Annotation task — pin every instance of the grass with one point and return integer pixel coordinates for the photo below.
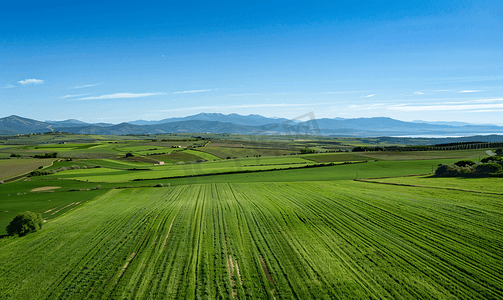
(178, 156)
(414, 155)
(334, 157)
(203, 155)
(338, 172)
(490, 184)
(224, 152)
(333, 240)
(49, 204)
(14, 167)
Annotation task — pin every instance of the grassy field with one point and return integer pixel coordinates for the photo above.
(490, 184)
(414, 155)
(14, 167)
(234, 152)
(337, 172)
(323, 240)
(47, 202)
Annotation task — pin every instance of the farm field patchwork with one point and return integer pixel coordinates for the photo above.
(305, 240)
(337, 172)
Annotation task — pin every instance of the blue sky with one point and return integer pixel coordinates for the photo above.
(122, 61)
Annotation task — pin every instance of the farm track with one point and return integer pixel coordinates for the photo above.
(333, 240)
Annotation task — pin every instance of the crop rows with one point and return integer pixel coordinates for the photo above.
(319, 240)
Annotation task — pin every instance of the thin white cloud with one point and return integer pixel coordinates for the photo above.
(87, 85)
(194, 91)
(71, 96)
(121, 96)
(343, 92)
(241, 95)
(442, 107)
(368, 96)
(470, 91)
(7, 86)
(419, 93)
(31, 81)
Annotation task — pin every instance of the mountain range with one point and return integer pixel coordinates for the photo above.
(252, 124)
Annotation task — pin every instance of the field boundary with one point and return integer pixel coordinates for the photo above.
(425, 186)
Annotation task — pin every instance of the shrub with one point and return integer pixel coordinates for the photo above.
(39, 173)
(14, 155)
(491, 159)
(464, 163)
(487, 168)
(453, 171)
(499, 151)
(159, 185)
(24, 223)
(41, 167)
(47, 155)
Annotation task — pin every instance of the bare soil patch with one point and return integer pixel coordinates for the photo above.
(45, 188)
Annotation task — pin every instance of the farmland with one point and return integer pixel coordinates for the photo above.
(14, 167)
(264, 240)
(213, 223)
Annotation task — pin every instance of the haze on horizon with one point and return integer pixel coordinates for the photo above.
(121, 61)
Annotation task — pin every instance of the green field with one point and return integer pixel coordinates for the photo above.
(333, 240)
(338, 172)
(242, 152)
(14, 167)
(491, 184)
(207, 225)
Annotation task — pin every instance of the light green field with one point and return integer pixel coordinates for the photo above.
(203, 155)
(115, 163)
(489, 184)
(14, 167)
(49, 203)
(316, 240)
(415, 155)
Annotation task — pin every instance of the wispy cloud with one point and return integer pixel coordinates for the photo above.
(241, 95)
(121, 96)
(419, 93)
(71, 96)
(368, 96)
(31, 81)
(194, 91)
(470, 91)
(444, 107)
(87, 85)
(261, 105)
(343, 92)
(7, 86)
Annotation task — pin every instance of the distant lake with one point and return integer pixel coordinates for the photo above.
(440, 136)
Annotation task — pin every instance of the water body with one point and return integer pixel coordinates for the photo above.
(440, 136)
